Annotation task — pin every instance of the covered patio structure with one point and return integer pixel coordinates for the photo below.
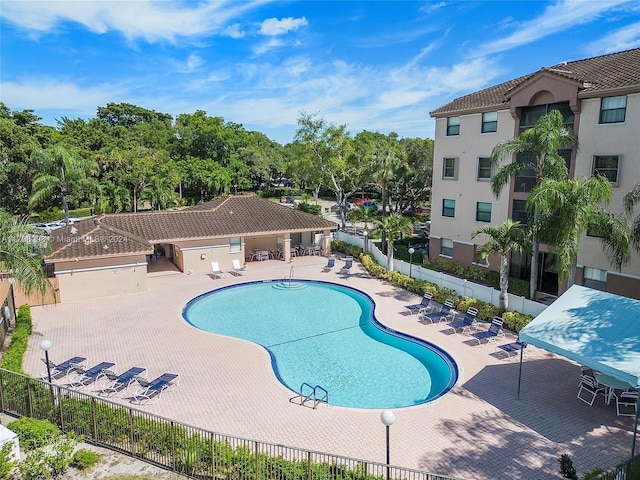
(596, 329)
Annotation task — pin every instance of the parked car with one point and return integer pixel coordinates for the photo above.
(370, 205)
(63, 223)
(288, 200)
(411, 210)
(362, 201)
(47, 227)
(336, 207)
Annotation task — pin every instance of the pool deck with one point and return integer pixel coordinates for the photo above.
(478, 430)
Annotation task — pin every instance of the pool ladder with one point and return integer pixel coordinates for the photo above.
(315, 394)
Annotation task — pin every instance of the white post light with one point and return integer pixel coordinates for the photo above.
(411, 252)
(387, 418)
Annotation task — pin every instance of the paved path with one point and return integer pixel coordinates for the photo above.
(476, 431)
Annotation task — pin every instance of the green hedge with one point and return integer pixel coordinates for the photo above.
(517, 286)
(486, 311)
(19, 341)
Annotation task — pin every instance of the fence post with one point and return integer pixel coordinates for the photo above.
(255, 448)
(132, 436)
(2, 390)
(308, 465)
(173, 446)
(213, 456)
(30, 397)
(94, 420)
(60, 409)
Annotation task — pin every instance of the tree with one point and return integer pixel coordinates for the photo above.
(330, 147)
(505, 238)
(16, 255)
(61, 171)
(393, 227)
(566, 209)
(631, 199)
(536, 148)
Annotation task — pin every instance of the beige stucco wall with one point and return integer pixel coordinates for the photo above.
(467, 190)
(101, 277)
(610, 139)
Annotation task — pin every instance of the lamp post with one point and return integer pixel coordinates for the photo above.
(45, 345)
(387, 418)
(411, 252)
(365, 234)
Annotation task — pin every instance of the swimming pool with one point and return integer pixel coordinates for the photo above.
(325, 334)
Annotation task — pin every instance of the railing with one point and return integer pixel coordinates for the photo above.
(629, 470)
(176, 446)
(460, 285)
(312, 394)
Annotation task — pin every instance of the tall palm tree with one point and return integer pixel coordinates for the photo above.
(542, 141)
(16, 255)
(631, 199)
(566, 209)
(392, 227)
(59, 172)
(361, 214)
(505, 238)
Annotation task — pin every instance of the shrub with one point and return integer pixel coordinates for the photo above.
(517, 286)
(566, 467)
(34, 433)
(592, 474)
(6, 461)
(310, 208)
(13, 356)
(515, 320)
(84, 459)
(42, 464)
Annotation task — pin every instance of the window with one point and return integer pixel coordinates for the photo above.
(483, 212)
(478, 260)
(613, 109)
(485, 168)
(453, 126)
(450, 168)
(526, 178)
(235, 244)
(607, 165)
(595, 278)
(489, 122)
(446, 247)
(448, 208)
(519, 212)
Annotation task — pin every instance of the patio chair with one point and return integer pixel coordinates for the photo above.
(237, 268)
(589, 389)
(215, 270)
(492, 334)
(441, 315)
(60, 370)
(469, 321)
(115, 384)
(424, 306)
(511, 348)
(88, 376)
(348, 263)
(628, 398)
(151, 391)
(331, 263)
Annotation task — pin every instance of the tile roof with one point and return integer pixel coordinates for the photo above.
(597, 75)
(130, 233)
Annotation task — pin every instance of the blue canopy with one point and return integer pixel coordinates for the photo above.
(593, 328)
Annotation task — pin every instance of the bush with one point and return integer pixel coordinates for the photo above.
(6, 461)
(44, 464)
(13, 356)
(34, 433)
(517, 286)
(566, 467)
(84, 459)
(310, 208)
(515, 320)
(592, 474)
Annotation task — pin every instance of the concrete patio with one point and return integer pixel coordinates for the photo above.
(476, 431)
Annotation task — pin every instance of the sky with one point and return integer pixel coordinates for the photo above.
(370, 65)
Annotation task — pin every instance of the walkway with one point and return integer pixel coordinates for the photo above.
(476, 431)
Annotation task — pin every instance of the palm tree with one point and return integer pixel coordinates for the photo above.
(504, 238)
(392, 227)
(566, 209)
(542, 141)
(60, 171)
(16, 255)
(631, 199)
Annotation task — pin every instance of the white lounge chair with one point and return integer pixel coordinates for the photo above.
(237, 268)
(215, 270)
(331, 263)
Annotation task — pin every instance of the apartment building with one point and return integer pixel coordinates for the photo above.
(599, 98)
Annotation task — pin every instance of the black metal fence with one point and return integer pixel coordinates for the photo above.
(179, 447)
(629, 470)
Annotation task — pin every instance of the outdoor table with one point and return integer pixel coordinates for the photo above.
(610, 383)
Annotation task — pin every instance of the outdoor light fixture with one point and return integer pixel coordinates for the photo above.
(387, 418)
(45, 345)
(411, 252)
(365, 234)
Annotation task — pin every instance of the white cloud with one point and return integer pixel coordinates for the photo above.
(273, 26)
(623, 39)
(152, 21)
(430, 6)
(264, 47)
(233, 31)
(560, 16)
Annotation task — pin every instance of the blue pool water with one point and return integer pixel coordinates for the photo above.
(326, 334)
